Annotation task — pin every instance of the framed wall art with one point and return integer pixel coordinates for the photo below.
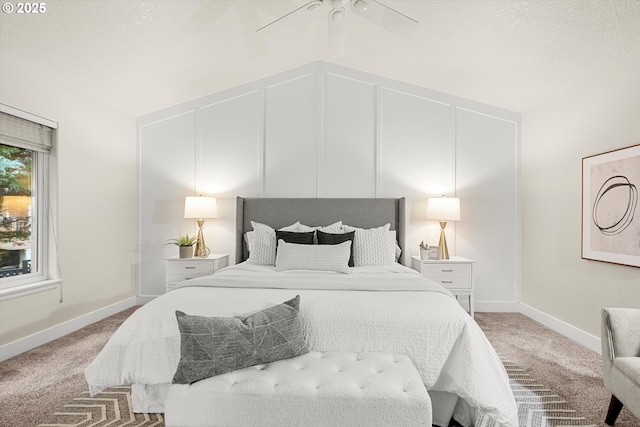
(610, 214)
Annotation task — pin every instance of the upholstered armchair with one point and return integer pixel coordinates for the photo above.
(621, 359)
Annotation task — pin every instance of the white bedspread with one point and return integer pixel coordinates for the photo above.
(376, 309)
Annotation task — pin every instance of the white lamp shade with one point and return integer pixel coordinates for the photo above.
(443, 208)
(200, 207)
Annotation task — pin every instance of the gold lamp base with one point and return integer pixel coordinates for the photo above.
(202, 251)
(444, 251)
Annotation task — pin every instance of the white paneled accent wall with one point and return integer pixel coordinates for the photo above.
(167, 166)
(348, 140)
(291, 138)
(324, 130)
(486, 181)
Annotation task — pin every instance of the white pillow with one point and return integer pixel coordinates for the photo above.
(262, 250)
(250, 236)
(393, 245)
(371, 246)
(292, 256)
(335, 228)
(249, 239)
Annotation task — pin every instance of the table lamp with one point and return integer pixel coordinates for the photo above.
(443, 209)
(200, 208)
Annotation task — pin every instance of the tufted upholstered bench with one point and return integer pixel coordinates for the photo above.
(315, 389)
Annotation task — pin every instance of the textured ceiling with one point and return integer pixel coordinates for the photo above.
(141, 56)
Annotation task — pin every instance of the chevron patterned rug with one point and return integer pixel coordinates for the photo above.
(111, 408)
(537, 407)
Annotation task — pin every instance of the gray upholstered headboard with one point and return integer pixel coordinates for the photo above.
(280, 212)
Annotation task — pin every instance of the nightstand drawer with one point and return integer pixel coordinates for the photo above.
(450, 275)
(452, 282)
(451, 269)
(177, 272)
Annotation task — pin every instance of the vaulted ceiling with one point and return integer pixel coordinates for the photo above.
(144, 55)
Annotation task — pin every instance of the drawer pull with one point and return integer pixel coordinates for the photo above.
(190, 268)
(447, 271)
(447, 281)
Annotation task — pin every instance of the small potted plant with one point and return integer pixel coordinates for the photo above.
(185, 243)
(424, 250)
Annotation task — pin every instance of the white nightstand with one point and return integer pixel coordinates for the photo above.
(455, 274)
(180, 269)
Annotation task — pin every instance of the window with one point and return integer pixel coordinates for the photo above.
(24, 241)
(16, 231)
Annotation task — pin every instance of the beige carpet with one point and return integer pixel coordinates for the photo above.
(36, 383)
(564, 366)
(538, 406)
(39, 382)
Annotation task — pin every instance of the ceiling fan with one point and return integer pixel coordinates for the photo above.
(372, 10)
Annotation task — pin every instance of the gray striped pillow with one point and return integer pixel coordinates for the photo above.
(292, 256)
(371, 246)
(263, 248)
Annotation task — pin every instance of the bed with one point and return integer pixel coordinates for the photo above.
(374, 308)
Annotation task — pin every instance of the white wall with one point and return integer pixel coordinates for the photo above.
(327, 131)
(94, 156)
(595, 116)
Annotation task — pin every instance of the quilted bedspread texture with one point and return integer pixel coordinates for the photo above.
(390, 309)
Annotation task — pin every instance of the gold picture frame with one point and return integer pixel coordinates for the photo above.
(610, 209)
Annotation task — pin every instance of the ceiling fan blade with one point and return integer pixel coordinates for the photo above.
(312, 5)
(387, 18)
(336, 32)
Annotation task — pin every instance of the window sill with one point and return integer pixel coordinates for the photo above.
(31, 288)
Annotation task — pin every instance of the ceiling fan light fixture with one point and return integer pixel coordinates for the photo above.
(336, 14)
(371, 10)
(313, 6)
(336, 3)
(360, 5)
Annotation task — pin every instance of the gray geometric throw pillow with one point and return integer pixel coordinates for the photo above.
(214, 345)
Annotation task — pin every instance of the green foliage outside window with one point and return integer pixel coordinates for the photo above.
(15, 170)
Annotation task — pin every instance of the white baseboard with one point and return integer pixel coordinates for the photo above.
(143, 299)
(578, 335)
(39, 338)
